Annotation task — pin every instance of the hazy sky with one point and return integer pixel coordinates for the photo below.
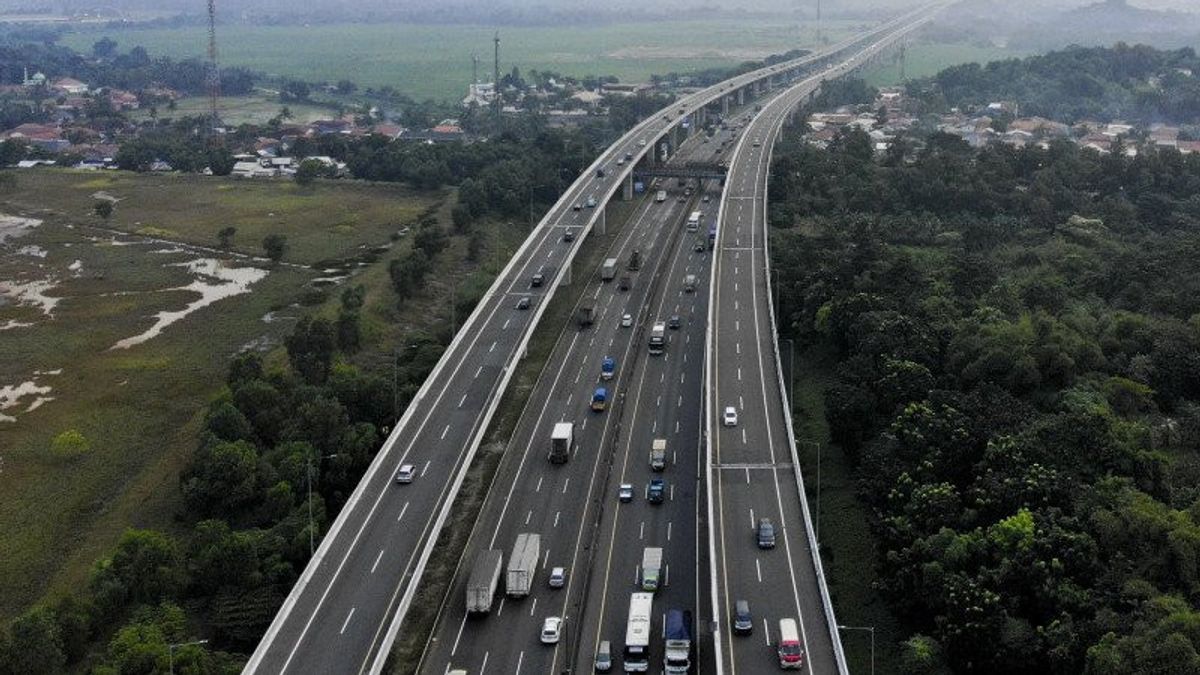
(350, 8)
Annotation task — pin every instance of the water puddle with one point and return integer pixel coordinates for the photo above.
(11, 395)
(215, 282)
(30, 293)
(12, 227)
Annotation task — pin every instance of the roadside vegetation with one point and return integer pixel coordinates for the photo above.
(1010, 341)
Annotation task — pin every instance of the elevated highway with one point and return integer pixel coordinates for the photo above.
(345, 610)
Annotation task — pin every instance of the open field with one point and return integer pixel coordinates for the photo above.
(69, 292)
(923, 59)
(236, 110)
(329, 219)
(434, 61)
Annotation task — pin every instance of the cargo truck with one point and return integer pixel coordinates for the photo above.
(651, 567)
(677, 632)
(658, 338)
(658, 454)
(607, 368)
(661, 196)
(485, 576)
(561, 442)
(522, 565)
(609, 270)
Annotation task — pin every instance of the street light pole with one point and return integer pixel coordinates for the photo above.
(871, 630)
(171, 652)
(308, 472)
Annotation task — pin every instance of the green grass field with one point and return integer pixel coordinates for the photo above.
(323, 221)
(923, 59)
(236, 110)
(434, 61)
(140, 408)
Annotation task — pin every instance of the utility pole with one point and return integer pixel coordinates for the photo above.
(214, 73)
(496, 74)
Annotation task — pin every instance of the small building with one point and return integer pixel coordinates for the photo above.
(69, 86)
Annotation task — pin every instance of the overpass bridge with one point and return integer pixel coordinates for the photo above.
(348, 605)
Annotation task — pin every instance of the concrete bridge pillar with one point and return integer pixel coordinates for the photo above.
(724, 106)
(601, 226)
(627, 188)
(741, 96)
(566, 278)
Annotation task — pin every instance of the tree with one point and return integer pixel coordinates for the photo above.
(35, 644)
(145, 569)
(104, 48)
(310, 349)
(228, 423)
(220, 162)
(346, 87)
(225, 236)
(309, 171)
(103, 208)
(275, 245)
(349, 331)
(222, 480)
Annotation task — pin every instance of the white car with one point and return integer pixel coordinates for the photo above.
(551, 630)
(558, 577)
(626, 320)
(729, 418)
(406, 473)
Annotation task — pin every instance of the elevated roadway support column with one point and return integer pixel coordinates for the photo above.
(741, 96)
(627, 188)
(724, 106)
(601, 227)
(566, 277)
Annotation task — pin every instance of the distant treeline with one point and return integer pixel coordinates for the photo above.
(1134, 83)
(107, 67)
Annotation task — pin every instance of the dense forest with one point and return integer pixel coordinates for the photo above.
(1018, 386)
(1134, 83)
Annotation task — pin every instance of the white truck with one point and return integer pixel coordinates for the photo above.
(485, 576)
(609, 270)
(651, 568)
(561, 440)
(658, 454)
(661, 196)
(522, 565)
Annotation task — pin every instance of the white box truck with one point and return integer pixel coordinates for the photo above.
(658, 454)
(561, 440)
(485, 576)
(522, 565)
(661, 196)
(651, 568)
(609, 270)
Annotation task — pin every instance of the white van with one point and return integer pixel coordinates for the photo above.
(791, 652)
